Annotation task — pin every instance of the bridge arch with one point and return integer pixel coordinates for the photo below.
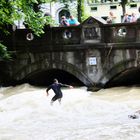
(121, 70)
(41, 66)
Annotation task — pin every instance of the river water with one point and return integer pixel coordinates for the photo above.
(26, 114)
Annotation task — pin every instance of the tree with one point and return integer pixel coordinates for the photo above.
(123, 4)
(16, 10)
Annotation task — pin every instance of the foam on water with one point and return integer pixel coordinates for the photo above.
(26, 114)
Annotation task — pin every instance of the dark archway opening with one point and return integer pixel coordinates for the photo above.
(130, 77)
(45, 78)
(65, 13)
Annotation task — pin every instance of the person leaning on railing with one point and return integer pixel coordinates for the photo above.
(73, 21)
(64, 22)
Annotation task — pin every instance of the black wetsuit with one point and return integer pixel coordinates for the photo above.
(56, 87)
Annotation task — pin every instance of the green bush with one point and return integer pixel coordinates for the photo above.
(4, 54)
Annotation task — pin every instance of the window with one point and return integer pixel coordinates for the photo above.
(102, 1)
(133, 5)
(109, 1)
(113, 7)
(93, 8)
(93, 1)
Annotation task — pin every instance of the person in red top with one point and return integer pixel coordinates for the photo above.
(56, 87)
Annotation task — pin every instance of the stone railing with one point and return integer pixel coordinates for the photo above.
(66, 35)
(121, 33)
(72, 36)
(53, 36)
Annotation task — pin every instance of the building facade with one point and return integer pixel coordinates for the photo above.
(96, 8)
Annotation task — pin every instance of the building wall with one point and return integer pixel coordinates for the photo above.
(97, 9)
(55, 8)
(103, 9)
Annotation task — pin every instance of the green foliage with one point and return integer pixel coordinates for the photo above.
(27, 10)
(4, 55)
(85, 16)
(80, 9)
(83, 12)
(50, 21)
(13, 10)
(5, 12)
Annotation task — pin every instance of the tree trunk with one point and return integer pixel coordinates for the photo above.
(123, 4)
(123, 10)
(79, 12)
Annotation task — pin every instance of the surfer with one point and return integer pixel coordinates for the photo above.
(56, 87)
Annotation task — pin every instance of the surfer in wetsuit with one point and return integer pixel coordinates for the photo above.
(56, 87)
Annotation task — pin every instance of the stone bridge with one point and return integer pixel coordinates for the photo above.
(93, 54)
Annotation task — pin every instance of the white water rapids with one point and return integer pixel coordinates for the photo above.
(26, 114)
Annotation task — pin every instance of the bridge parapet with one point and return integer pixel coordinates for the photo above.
(121, 33)
(91, 31)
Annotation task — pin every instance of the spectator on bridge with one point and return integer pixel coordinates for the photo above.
(64, 22)
(56, 87)
(111, 18)
(73, 21)
(126, 18)
(133, 17)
